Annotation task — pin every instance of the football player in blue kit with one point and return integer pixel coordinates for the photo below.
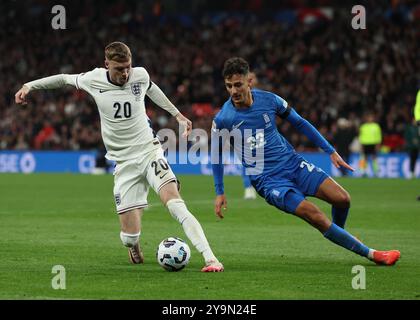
(278, 173)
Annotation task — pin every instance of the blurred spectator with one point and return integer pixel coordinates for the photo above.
(412, 144)
(417, 109)
(370, 137)
(417, 117)
(254, 80)
(342, 140)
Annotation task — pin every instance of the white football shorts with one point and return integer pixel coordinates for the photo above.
(132, 179)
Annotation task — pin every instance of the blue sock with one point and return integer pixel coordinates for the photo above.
(245, 179)
(346, 240)
(339, 216)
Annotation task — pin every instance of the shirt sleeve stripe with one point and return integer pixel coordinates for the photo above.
(286, 113)
(77, 81)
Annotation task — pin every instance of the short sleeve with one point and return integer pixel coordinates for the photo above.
(217, 123)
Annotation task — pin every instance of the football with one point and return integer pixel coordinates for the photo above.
(173, 254)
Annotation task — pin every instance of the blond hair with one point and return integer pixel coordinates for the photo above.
(117, 51)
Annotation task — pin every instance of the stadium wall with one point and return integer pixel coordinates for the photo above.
(391, 165)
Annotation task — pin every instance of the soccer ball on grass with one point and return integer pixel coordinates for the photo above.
(173, 254)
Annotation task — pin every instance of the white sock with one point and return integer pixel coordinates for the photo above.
(370, 254)
(192, 228)
(128, 239)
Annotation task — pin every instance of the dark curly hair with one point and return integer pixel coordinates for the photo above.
(235, 65)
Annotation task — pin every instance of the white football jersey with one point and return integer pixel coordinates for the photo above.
(125, 127)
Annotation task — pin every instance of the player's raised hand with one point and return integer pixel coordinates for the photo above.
(187, 124)
(20, 96)
(339, 162)
(220, 203)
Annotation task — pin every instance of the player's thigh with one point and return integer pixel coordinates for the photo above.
(308, 177)
(130, 187)
(130, 221)
(284, 196)
(169, 191)
(333, 193)
(159, 172)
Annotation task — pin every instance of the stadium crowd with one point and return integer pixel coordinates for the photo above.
(313, 58)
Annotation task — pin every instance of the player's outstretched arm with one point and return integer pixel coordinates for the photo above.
(339, 162)
(52, 82)
(220, 203)
(217, 167)
(303, 126)
(158, 97)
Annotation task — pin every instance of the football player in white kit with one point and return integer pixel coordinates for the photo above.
(119, 91)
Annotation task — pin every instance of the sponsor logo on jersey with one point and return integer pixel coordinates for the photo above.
(236, 126)
(163, 175)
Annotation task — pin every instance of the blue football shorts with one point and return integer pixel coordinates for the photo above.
(287, 189)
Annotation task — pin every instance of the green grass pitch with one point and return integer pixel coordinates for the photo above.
(69, 220)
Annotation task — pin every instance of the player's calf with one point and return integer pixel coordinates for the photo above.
(192, 228)
(313, 215)
(340, 200)
(338, 197)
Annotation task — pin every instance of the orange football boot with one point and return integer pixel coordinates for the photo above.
(387, 258)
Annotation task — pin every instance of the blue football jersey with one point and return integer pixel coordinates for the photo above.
(260, 145)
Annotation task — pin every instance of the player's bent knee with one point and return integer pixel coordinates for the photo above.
(129, 239)
(343, 199)
(169, 192)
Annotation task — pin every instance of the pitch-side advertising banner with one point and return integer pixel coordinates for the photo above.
(392, 165)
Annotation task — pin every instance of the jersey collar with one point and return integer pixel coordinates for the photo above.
(243, 109)
(115, 84)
